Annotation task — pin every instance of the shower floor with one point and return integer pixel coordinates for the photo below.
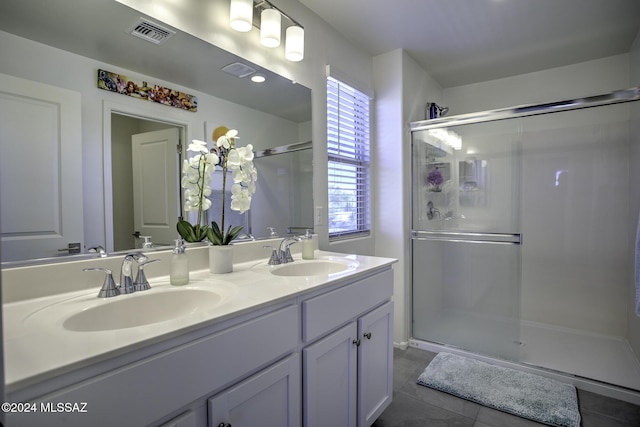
(597, 357)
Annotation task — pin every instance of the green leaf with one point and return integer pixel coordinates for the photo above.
(215, 235)
(232, 233)
(185, 229)
(191, 233)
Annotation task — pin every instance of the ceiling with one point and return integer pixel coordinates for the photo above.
(466, 41)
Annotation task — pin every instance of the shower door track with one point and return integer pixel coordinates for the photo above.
(616, 97)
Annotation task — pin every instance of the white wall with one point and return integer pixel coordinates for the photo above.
(402, 90)
(572, 81)
(633, 321)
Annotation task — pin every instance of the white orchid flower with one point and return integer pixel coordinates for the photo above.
(198, 146)
(225, 140)
(240, 198)
(240, 156)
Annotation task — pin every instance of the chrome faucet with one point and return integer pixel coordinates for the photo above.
(127, 284)
(282, 254)
(141, 283)
(109, 288)
(126, 273)
(285, 251)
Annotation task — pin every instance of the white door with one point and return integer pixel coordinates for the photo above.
(155, 184)
(375, 363)
(330, 380)
(40, 169)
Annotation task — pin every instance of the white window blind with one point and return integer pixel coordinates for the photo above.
(348, 156)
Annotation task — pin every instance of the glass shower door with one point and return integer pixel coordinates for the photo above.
(466, 238)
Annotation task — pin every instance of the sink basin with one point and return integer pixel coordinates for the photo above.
(311, 268)
(138, 310)
(128, 311)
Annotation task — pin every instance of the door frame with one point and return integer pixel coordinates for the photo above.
(142, 111)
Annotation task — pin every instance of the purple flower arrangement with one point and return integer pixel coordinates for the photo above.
(434, 178)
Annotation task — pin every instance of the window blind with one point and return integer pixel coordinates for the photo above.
(348, 160)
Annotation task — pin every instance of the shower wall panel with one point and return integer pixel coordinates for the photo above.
(575, 186)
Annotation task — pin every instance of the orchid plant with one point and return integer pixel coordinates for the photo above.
(196, 181)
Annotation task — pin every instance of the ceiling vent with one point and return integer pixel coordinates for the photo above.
(151, 31)
(239, 69)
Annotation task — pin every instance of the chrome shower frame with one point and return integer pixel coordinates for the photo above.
(616, 97)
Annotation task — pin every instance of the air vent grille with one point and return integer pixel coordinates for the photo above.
(151, 31)
(239, 69)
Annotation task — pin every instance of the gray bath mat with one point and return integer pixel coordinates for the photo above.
(526, 395)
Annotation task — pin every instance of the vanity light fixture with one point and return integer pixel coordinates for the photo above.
(294, 44)
(270, 23)
(241, 15)
(268, 18)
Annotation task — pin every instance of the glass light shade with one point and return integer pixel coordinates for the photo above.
(270, 28)
(241, 15)
(294, 44)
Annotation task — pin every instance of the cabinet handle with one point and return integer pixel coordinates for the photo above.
(224, 425)
(356, 342)
(368, 335)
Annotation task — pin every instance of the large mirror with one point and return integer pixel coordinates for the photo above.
(275, 117)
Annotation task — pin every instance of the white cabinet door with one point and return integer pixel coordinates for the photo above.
(40, 169)
(375, 363)
(330, 380)
(270, 398)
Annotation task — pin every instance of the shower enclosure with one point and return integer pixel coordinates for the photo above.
(285, 196)
(521, 242)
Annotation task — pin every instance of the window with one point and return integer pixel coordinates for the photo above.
(348, 155)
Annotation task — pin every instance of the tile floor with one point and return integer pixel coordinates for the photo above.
(415, 405)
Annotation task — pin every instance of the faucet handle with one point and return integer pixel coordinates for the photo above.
(141, 283)
(146, 242)
(109, 288)
(99, 250)
(274, 259)
(272, 232)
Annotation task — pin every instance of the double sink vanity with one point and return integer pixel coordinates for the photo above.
(307, 343)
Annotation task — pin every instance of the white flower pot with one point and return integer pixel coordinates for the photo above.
(220, 259)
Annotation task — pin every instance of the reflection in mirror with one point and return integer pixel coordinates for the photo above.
(286, 204)
(473, 182)
(145, 156)
(107, 214)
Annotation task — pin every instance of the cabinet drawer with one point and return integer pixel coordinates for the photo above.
(324, 313)
(140, 392)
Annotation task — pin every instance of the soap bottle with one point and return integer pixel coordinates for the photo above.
(179, 274)
(307, 245)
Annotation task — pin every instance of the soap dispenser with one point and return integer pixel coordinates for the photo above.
(179, 274)
(307, 245)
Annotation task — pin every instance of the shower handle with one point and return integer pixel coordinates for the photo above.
(432, 211)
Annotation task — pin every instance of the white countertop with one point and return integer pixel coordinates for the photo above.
(38, 347)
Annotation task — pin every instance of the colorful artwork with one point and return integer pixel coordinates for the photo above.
(121, 84)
